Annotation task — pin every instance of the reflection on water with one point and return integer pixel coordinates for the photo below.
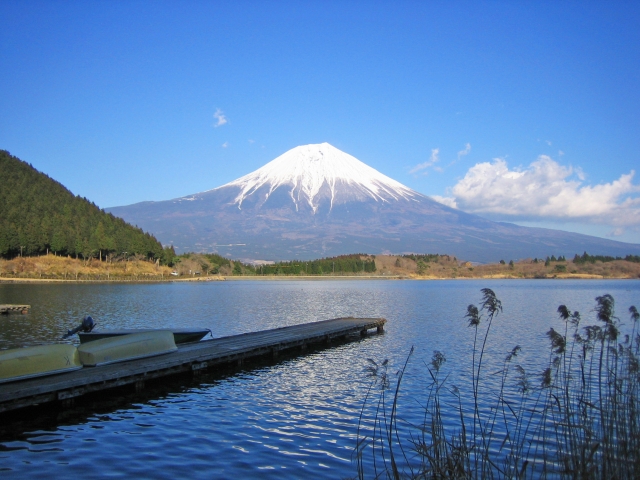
(294, 418)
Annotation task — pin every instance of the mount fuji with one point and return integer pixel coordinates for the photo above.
(317, 201)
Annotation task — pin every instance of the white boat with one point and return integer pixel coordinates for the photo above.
(38, 361)
(126, 347)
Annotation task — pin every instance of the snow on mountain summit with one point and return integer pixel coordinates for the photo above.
(312, 173)
(315, 201)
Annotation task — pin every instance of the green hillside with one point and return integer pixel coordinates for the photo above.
(38, 214)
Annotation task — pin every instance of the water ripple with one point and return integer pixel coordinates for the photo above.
(296, 418)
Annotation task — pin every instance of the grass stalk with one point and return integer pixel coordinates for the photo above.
(581, 421)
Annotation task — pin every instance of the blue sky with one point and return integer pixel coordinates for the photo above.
(527, 112)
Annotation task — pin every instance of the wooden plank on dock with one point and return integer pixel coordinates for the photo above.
(5, 309)
(188, 358)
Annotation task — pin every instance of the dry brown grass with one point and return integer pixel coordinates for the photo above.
(51, 267)
(453, 268)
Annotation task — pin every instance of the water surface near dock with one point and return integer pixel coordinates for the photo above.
(287, 419)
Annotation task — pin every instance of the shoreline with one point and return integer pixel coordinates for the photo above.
(216, 278)
(50, 269)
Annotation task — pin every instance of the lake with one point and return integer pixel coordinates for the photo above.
(289, 419)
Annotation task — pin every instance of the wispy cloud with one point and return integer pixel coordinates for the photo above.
(220, 118)
(545, 190)
(462, 153)
(433, 161)
(429, 163)
(225, 144)
(448, 201)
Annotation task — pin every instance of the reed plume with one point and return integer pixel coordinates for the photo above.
(580, 419)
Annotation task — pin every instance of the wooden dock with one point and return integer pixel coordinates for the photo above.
(6, 309)
(194, 357)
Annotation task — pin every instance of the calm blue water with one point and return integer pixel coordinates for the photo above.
(293, 419)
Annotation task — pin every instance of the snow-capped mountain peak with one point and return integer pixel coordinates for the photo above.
(311, 173)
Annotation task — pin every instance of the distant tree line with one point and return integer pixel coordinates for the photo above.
(39, 215)
(586, 258)
(210, 263)
(341, 264)
(548, 260)
(429, 257)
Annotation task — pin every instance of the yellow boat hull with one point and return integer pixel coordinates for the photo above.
(126, 347)
(31, 362)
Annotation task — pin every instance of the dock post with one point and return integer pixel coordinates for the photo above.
(139, 386)
(380, 329)
(198, 368)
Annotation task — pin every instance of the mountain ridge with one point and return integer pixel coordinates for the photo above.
(308, 168)
(38, 214)
(303, 205)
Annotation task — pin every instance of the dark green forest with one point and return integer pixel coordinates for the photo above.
(341, 264)
(39, 215)
(586, 258)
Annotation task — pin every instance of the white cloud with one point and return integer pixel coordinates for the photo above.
(448, 201)
(220, 118)
(429, 163)
(467, 149)
(545, 190)
(225, 144)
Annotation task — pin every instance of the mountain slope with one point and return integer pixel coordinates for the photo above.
(316, 173)
(39, 214)
(315, 201)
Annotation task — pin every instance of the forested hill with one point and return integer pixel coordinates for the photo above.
(39, 214)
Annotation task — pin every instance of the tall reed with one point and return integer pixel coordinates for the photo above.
(578, 418)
